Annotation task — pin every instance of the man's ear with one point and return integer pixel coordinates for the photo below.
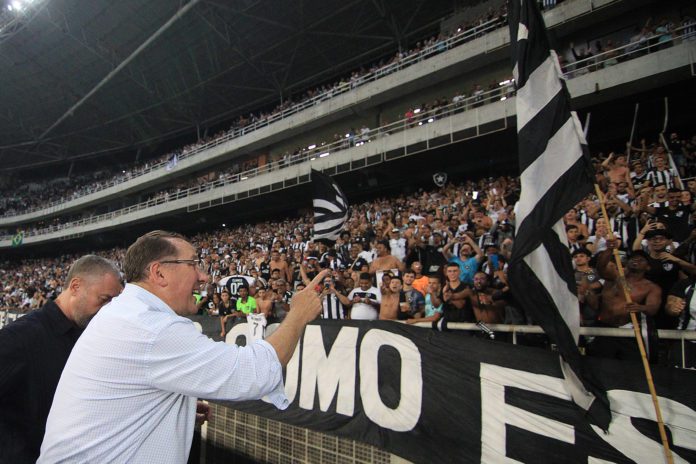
(74, 285)
(157, 274)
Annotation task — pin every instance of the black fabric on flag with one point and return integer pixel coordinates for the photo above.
(330, 208)
(556, 173)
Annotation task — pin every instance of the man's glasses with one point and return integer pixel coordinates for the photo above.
(197, 263)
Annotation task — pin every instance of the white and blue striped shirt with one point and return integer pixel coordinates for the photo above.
(129, 389)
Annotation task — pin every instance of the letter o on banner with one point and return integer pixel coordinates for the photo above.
(237, 330)
(406, 415)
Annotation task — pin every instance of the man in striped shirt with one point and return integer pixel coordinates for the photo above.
(333, 301)
(663, 174)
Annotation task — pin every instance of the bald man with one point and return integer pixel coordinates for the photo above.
(35, 348)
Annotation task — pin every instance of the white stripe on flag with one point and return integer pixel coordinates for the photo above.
(522, 32)
(325, 225)
(318, 203)
(539, 177)
(540, 88)
(566, 302)
(339, 196)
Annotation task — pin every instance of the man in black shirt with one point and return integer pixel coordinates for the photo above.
(664, 271)
(34, 350)
(457, 307)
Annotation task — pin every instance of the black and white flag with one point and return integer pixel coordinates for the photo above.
(555, 175)
(330, 208)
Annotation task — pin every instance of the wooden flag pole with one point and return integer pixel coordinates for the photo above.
(636, 332)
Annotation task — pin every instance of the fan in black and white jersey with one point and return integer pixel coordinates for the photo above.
(330, 260)
(234, 282)
(661, 200)
(662, 174)
(333, 301)
(298, 244)
(639, 175)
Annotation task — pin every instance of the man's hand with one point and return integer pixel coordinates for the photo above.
(664, 256)
(202, 413)
(633, 307)
(675, 305)
(307, 302)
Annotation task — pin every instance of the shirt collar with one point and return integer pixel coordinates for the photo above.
(152, 300)
(60, 324)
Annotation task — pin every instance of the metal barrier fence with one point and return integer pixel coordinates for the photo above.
(683, 336)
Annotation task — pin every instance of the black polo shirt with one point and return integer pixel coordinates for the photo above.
(665, 274)
(33, 353)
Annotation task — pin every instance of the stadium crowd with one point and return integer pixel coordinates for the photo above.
(444, 252)
(249, 165)
(18, 198)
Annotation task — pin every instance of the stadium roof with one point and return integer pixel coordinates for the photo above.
(99, 78)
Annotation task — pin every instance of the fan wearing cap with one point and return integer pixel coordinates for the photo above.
(614, 310)
(639, 176)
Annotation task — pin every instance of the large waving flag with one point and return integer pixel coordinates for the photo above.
(330, 208)
(556, 174)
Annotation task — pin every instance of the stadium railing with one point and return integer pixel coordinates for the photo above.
(683, 336)
(235, 132)
(593, 64)
(559, 15)
(421, 118)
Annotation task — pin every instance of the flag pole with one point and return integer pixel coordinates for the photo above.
(636, 332)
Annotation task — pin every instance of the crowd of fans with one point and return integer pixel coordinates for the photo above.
(16, 199)
(414, 116)
(444, 252)
(654, 35)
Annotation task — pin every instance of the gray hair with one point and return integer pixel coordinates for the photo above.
(91, 266)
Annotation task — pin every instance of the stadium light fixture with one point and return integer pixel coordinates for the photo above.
(431, 120)
(416, 111)
(16, 5)
(505, 82)
(324, 155)
(503, 98)
(312, 147)
(347, 135)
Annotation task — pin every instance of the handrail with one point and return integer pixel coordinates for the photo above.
(629, 51)
(236, 132)
(418, 119)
